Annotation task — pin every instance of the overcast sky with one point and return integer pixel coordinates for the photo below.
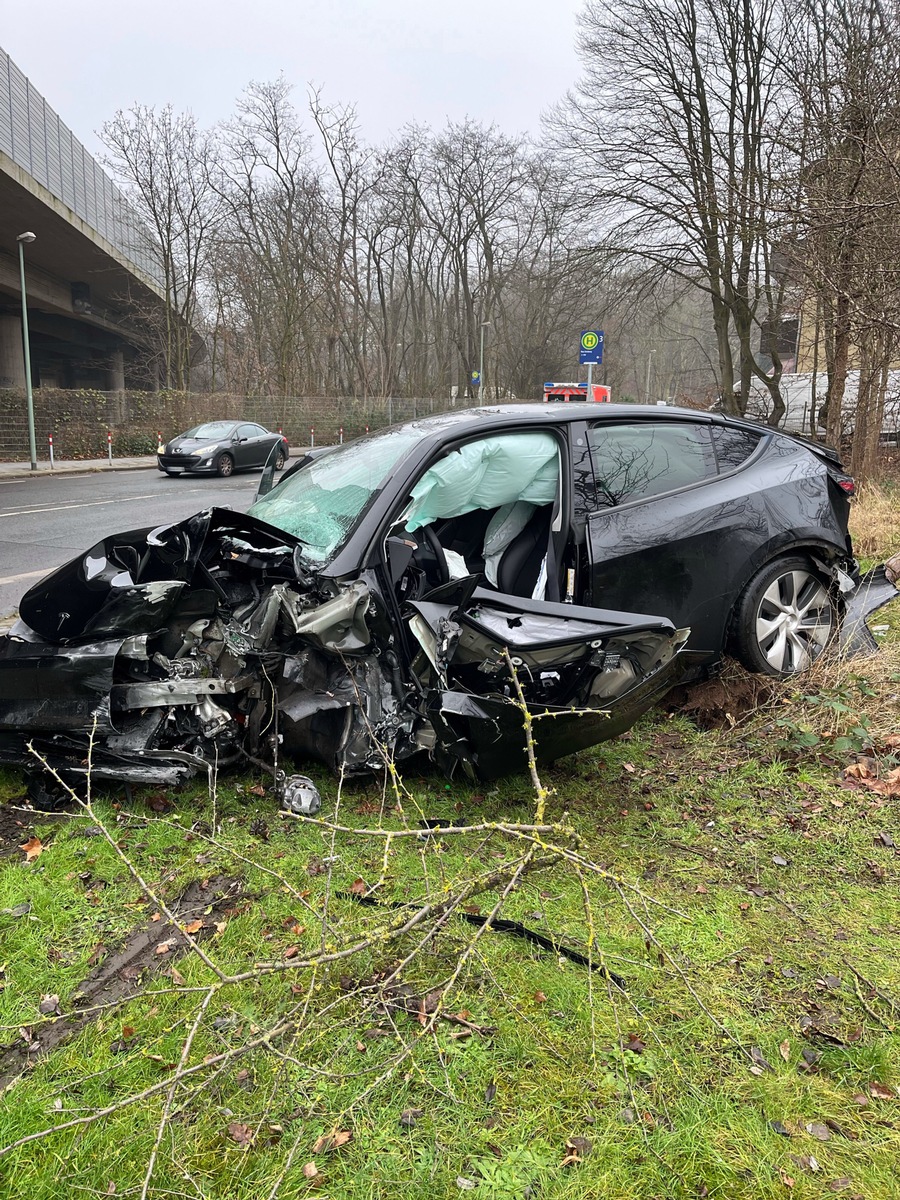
(501, 61)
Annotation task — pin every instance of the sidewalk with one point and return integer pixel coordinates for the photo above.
(19, 470)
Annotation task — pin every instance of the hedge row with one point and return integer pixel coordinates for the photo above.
(79, 419)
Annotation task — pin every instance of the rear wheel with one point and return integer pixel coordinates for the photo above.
(280, 460)
(224, 465)
(785, 618)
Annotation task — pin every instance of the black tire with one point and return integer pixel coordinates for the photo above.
(280, 460)
(785, 619)
(224, 465)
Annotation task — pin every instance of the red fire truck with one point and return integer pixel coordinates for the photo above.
(575, 391)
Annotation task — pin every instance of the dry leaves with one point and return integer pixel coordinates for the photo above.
(760, 1063)
(577, 1150)
(242, 1134)
(332, 1141)
(33, 848)
(819, 1131)
(862, 775)
(193, 926)
(881, 1092)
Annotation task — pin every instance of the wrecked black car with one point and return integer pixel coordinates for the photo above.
(406, 592)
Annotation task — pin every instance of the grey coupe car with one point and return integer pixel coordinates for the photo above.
(221, 448)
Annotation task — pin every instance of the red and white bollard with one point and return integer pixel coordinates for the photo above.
(312, 437)
(109, 445)
(341, 436)
(50, 440)
(367, 429)
(159, 442)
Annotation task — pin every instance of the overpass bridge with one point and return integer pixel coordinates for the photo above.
(90, 268)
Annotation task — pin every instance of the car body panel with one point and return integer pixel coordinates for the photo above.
(696, 548)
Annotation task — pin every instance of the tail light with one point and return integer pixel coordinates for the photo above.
(846, 483)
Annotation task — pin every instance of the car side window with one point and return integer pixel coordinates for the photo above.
(258, 431)
(247, 431)
(646, 458)
(733, 446)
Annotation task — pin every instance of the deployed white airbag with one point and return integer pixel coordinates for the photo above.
(487, 474)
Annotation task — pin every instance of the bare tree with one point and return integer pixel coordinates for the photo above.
(843, 70)
(670, 125)
(163, 160)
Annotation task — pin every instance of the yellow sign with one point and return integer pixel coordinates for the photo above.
(589, 340)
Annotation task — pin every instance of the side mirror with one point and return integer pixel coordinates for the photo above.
(267, 482)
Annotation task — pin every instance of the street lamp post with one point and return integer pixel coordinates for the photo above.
(22, 239)
(647, 382)
(484, 325)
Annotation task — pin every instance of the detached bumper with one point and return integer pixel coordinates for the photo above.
(876, 588)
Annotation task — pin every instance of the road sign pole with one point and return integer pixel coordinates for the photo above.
(590, 394)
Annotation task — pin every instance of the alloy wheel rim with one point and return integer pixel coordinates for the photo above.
(794, 621)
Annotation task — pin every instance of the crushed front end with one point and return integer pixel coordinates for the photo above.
(158, 655)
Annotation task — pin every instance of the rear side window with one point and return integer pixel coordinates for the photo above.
(633, 462)
(733, 446)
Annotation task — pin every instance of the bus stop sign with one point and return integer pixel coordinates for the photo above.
(591, 346)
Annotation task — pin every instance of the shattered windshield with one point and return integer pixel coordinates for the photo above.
(322, 502)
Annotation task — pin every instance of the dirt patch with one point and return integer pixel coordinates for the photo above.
(720, 703)
(122, 975)
(17, 825)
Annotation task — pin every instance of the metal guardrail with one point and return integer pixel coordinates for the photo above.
(35, 138)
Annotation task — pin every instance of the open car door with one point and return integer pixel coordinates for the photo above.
(585, 674)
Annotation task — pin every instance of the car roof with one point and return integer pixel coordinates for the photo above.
(554, 413)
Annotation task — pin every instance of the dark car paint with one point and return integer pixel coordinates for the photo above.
(709, 539)
(247, 452)
(351, 680)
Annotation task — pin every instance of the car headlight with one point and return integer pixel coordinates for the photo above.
(204, 450)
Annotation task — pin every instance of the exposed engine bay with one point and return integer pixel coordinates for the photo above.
(210, 643)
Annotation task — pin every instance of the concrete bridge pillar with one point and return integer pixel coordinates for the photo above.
(12, 358)
(115, 372)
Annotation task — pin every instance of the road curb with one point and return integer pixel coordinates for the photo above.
(57, 472)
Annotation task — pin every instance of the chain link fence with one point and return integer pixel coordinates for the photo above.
(79, 420)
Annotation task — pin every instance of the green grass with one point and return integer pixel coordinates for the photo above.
(733, 954)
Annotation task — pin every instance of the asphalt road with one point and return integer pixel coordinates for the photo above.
(44, 522)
